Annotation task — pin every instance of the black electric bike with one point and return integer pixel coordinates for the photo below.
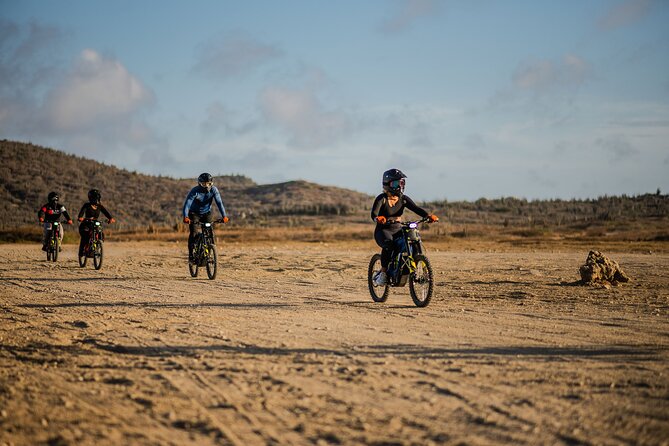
(204, 251)
(53, 242)
(94, 247)
(408, 264)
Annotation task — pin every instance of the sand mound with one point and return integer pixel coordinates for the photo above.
(600, 270)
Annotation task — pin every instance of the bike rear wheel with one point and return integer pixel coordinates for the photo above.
(378, 293)
(421, 281)
(211, 262)
(98, 255)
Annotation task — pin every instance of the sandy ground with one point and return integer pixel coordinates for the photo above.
(286, 347)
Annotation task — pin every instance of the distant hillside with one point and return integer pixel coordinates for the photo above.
(29, 172)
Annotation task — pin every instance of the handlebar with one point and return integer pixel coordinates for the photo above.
(417, 222)
(94, 219)
(215, 222)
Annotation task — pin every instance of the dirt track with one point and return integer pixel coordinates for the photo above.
(286, 347)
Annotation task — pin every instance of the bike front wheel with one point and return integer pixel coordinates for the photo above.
(56, 248)
(98, 255)
(421, 281)
(211, 262)
(378, 293)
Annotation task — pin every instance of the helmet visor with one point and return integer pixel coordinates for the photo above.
(396, 184)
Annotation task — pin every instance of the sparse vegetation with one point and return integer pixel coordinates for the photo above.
(150, 206)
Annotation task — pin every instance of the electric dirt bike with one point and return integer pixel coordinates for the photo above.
(204, 251)
(53, 241)
(94, 246)
(408, 264)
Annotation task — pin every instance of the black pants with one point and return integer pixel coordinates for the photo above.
(385, 236)
(85, 228)
(195, 220)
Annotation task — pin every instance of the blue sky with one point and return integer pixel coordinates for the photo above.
(477, 98)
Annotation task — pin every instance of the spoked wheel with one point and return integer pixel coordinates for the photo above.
(97, 255)
(421, 281)
(379, 293)
(211, 262)
(56, 248)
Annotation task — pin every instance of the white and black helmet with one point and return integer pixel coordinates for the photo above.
(205, 180)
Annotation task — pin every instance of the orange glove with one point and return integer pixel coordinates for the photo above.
(69, 222)
(41, 220)
(187, 220)
(381, 219)
(225, 219)
(80, 219)
(433, 218)
(111, 220)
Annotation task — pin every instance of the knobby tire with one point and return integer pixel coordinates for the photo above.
(211, 262)
(379, 294)
(421, 281)
(98, 255)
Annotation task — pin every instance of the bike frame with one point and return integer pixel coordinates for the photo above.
(55, 233)
(95, 236)
(204, 238)
(407, 246)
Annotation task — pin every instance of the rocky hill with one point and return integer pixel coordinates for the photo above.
(29, 172)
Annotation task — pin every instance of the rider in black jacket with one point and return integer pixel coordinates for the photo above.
(89, 213)
(387, 211)
(51, 212)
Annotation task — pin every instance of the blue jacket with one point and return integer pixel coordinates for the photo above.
(199, 201)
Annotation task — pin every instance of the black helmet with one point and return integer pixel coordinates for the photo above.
(53, 197)
(205, 180)
(393, 181)
(94, 196)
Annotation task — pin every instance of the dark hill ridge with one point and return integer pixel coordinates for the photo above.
(29, 172)
(139, 201)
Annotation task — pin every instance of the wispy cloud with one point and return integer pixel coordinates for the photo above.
(624, 13)
(542, 75)
(97, 91)
(221, 119)
(301, 114)
(618, 146)
(407, 13)
(232, 55)
(29, 55)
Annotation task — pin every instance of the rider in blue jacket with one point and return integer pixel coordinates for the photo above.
(197, 207)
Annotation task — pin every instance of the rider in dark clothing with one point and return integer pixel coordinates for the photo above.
(89, 213)
(387, 211)
(50, 213)
(197, 207)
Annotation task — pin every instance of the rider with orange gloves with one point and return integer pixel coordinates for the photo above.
(387, 211)
(89, 213)
(50, 213)
(197, 207)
